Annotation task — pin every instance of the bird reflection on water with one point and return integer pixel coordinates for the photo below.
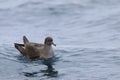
(49, 71)
(45, 73)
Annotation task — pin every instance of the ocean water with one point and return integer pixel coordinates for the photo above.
(87, 34)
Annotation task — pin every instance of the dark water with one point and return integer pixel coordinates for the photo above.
(86, 32)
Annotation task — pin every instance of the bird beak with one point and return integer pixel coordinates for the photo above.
(53, 44)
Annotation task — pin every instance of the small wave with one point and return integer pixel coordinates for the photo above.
(77, 52)
(8, 53)
(9, 4)
(64, 9)
(54, 5)
(104, 2)
(9, 59)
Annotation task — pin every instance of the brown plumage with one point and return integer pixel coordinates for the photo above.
(35, 50)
